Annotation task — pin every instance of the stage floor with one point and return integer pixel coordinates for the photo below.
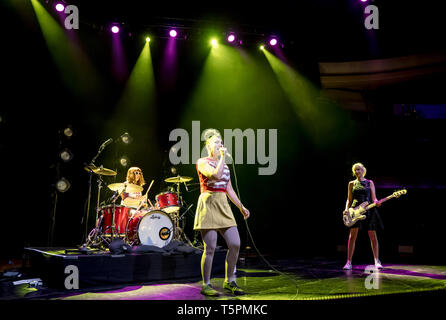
(297, 280)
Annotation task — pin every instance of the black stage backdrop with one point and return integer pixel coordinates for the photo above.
(297, 211)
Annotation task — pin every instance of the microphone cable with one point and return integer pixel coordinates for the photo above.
(252, 240)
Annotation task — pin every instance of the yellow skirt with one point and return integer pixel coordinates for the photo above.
(213, 212)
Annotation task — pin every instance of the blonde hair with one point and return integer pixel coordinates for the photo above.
(209, 135)
(359, 164)
(131, 176)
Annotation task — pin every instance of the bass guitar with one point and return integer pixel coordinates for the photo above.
(355, 214)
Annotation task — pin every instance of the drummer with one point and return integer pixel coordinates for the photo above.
(134, 176)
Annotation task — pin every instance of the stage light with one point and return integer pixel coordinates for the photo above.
(60, 7)
(173, 33)
(63, 185)
(115, 29)
(66, 155)
(124, 161)
(147, 39)
(262, 47)
(273, 41)
(126, 138)
(68, 132)
(231, 38)
(214, 43)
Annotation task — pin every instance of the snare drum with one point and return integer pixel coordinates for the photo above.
(168, 202)
(121, 218)
(154, 228)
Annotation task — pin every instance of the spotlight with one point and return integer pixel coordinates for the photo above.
(214, 43)
(124, 161)
(273, 41)
(173, 33)
(126, 138)
(147, 39)
(262, 47)
(231, 37)
(66, 155)
(115, 29)
(68, 132)
(60, 7)
(63, 185)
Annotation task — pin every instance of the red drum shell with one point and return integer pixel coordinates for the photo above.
(167, 201)
(121, 219)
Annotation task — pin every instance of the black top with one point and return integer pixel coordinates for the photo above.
(361, 192)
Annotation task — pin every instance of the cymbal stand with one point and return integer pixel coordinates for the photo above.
(179, 232)
(92, 238)
(90, 178)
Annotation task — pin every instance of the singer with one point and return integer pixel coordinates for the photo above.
(214, 214)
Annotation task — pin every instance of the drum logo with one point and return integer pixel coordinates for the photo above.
(164, 233)
(154, 216)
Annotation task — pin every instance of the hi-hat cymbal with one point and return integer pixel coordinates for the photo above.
(90, 167)
(178, 179)
(120, 187)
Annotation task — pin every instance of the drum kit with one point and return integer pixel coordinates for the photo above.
(134, 220)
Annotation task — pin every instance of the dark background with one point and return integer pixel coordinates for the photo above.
(297, 211)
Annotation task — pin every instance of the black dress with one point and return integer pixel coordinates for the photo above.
(361, 193)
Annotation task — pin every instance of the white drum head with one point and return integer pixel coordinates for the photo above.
(171, 209)
(155, 229)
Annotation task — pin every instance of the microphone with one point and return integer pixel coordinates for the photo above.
(107, 142)
(227, 153)
(115, 196)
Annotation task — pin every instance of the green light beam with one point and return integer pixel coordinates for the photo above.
(135, 113)
(326, 124)
(73, 66)
(236, 91)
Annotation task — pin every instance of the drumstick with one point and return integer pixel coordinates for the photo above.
(141, 203)
(148, 192)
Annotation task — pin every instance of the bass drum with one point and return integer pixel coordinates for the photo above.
(153, 228)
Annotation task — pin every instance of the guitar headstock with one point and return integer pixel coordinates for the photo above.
(397, 194)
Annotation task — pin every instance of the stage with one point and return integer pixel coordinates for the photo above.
(292, 279)
(57, 267)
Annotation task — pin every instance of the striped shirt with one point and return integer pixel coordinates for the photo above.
(212, 184)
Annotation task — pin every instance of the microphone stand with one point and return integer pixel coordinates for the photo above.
(90, 172)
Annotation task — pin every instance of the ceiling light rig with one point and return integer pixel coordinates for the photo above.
(184, 29)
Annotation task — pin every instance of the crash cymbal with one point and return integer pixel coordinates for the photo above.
(178, 179)
(104, 171)
(120, 187)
